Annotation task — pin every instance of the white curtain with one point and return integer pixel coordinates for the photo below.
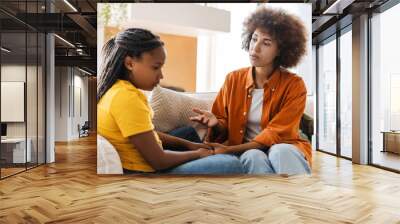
(219, 54)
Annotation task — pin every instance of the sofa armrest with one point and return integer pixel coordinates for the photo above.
(108, 160)
(307, 126)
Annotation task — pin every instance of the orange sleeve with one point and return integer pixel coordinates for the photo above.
(286, 121)
(220, 110)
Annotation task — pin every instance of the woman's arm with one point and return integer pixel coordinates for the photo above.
(160, 159)
(244, 147)
(219, 132)
(209, 120)
(223, 149)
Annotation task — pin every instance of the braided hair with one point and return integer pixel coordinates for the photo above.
(132, 42)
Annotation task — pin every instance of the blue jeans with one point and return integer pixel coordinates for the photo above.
(188, 133)
(279, 159)
(215, 164)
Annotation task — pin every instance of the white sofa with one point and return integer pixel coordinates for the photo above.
(108, 160)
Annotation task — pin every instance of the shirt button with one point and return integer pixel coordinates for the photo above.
(244, 113)
(241, 131)
(249, 96)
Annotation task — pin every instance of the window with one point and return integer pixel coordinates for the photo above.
(327, 96)
(22, 69)
(346, 93)
(385, 89)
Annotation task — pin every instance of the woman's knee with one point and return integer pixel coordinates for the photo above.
(252, 155)
(286, 158)
(281, 151)
(255, 161)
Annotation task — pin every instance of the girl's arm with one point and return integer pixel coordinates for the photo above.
(223, 149)
(160, 159)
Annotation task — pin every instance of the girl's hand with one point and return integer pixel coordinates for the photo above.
(218, 148)
(204, 152)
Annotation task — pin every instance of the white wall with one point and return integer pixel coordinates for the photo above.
(70, 84)
(177, 18)
(80, 96)
(61, 103)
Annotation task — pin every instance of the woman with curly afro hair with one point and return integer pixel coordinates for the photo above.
(257, 112)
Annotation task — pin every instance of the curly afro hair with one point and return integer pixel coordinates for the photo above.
(286, 29)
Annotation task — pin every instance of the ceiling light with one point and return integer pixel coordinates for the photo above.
(84, 71)
(5, 50)
(337, 7)
(80, 51)
(70, 5)
(64, 40)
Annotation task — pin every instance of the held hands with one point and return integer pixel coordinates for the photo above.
(207, 148)
(204, 152)
(202, 149)
(205, 117)
(218, 148)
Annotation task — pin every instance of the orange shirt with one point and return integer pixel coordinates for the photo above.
(283, 106)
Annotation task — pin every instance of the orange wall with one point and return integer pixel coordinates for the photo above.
(109, 32)
(180, 67)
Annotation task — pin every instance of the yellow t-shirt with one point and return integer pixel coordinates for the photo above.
(123, 111)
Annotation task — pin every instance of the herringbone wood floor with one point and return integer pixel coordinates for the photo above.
(70, 191)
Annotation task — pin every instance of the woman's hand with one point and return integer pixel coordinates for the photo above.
(218, 148)
(205, 117)
(202, 152)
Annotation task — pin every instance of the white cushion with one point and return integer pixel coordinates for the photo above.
(108, 160)
(173, 109)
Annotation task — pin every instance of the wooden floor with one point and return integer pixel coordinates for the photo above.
(70, 191)
(388, 159)
(10, 171)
